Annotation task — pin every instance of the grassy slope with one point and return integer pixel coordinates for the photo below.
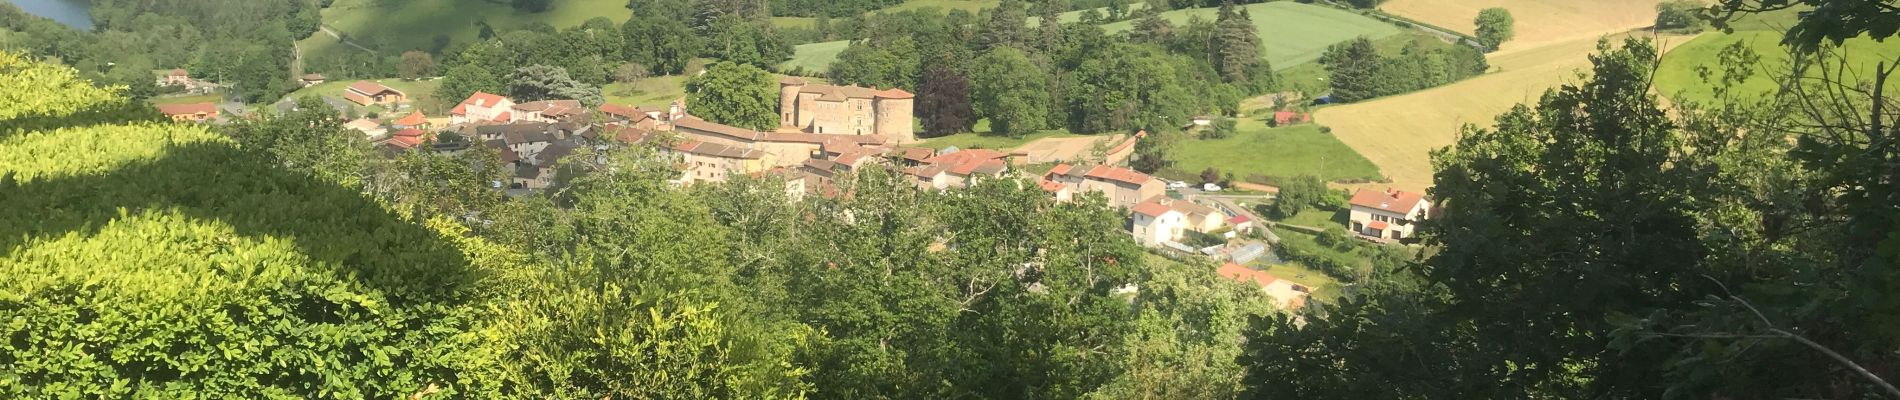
(1282, 152)
(1679, 80)
(395, 26)
(1292, 33)
(421, 92)
(984, 140)
(655, 92)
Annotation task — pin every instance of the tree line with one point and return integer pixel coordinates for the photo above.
(245, 45)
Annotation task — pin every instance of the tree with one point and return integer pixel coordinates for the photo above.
(1151, 153)
(664, 44)
(309, 140)
(1009, 91)
(1210, 175)
(734, 94)
(891, 64)
(1495, 26)
(630, 72)
(1680, 15)
(416, 65)
(1355, 67)
(1239, 48)
(943, 102)
(1297, 194)
(541, 82)
(1006, 26)
(1828, 22)
(1150, 27)
(1368, 4)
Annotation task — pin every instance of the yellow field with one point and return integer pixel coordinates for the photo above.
(1397, 133)
(1539, 22)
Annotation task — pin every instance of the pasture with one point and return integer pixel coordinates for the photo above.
(391, 27)
(1255, 149)
(1678, 78)
(1539, 22)
(1398, 133)
(421, 93)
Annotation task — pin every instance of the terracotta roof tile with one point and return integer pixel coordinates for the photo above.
(413, 119)
(1152, 207)
(188, 109)
(1115, 174)
(370, 88)
(1397, 202)
(1246, 275)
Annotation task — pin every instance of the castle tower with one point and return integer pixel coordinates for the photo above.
(788, 89)
(892, 112)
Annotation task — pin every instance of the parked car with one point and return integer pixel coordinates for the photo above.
(1177, 184)
(1209, 187)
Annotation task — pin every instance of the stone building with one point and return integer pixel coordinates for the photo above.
(847, 110)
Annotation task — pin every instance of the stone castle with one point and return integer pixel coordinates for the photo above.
(846, 110)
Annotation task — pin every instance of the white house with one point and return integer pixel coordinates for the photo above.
(1391, 214)
(483, 107)
(1155, 224)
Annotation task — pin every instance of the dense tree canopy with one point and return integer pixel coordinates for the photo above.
(734, 94)
(1495, 26)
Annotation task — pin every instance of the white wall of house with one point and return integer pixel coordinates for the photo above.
(1398, 226)
(1151, 231)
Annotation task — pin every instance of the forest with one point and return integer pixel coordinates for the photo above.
(245, 44)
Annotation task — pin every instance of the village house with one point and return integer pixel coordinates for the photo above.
(369, 127)
(1198, 218)
(1391, 214)
(482, 107)
(406, 139)
(616, 114)
(415, 120)
(1155, 224)
(712, 162)
(847, 110)
(1284, 118)
(538, 171)
(193, 112)
(1123, 187)
(549, 111)
(782, 149)
(370, 93)
(175, 77)
(1285, 294)
(965, 168)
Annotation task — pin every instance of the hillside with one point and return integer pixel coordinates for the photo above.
(1539, 22)
(1291, 33)
(1680, 79)
(391, 27)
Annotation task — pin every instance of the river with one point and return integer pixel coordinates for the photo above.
(73, 13)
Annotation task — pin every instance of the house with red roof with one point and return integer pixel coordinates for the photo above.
(415, 120)
(1123, 187)
(483, 107)
(193, 112)
(1389, 214)
(174, 77)
(1285, 293)
(370, 93)
(1155, 223)
(549, 111)
(1284, 118)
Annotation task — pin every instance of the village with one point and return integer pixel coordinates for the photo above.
(826, 131)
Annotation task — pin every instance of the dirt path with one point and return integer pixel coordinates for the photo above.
(1398, 133)
(327, 31)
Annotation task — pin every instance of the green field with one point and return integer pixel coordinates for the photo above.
(982, 139)
(815, 57)
(1274, 152)
(655, 92)
(1679, 80)
(421, 93)
(395, 26)
(1318, 218)
(1291, 33)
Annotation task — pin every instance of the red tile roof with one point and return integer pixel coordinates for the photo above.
(1122, 175)
(413, 119)
(893, 93)
(179, 72)
(1245, 275)
(1377, 225)
(718, 150)
(370, 88)
(1239, 219)
(460, 109)
(791, 80)
(411, 132)
(188, 109)
(1288, 117)
(479, 99)
(504, 116)
(1051, 186)
(628, 112)
(1060, 169)
(405, 142)
(964, 156)
(1152, 207)
(1397, 202)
